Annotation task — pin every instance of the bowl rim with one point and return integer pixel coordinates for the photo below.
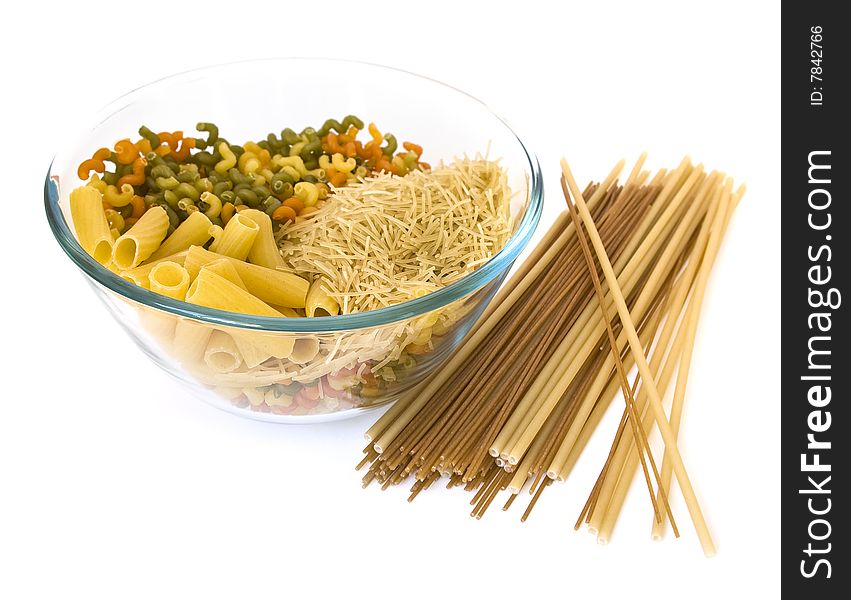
(352, 321)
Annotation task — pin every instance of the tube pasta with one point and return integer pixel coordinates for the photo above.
(318, 299)
(264, 251)
(221, 354)
(90, 223)
(278, 345)
(252, 354)
(141, 275)
(160, 326)
(304, 350)
(190, 341)
(269, 285)
(214, 291)
(141, 240)
(225, 268)
(169, 279)
(238, 237)
(216, 232)
(194, 231)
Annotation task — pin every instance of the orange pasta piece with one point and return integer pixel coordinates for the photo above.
(143, 146)
(137, 177)
(139, 208)
(95, 163)
(412, 147)
(186, 144)
(125, 151)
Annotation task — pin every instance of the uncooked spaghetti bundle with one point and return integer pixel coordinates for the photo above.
(616, 285)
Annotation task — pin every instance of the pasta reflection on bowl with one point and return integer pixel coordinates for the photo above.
(228, 285)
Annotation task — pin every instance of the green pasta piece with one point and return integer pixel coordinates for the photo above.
(286, 191)
(167, 183)
(111, 178)
(270, 204)
(150, 136)
(188, 176)
(206, 159)
(290, 137)
(173, 219)
(249, 197)
(222, 186)
(391, 146)
(227, 196)
(171, 198)
(187, 190)
(125, 211)
(154, 199)
(238, 178)
(261, 190)
(162, 170)
(309, 178)
(212, 132)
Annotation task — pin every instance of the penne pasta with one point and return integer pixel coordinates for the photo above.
(169, 279)
(270, 285)
(214, 291)
(317, 299)
(221, 354)
(196, 230)
(142, 239)
(238, 237)
(264, 251)
(279, 345)
(90, 223)
(141, 274)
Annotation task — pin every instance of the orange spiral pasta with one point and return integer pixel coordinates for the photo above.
(137, 177)
(126, 152)
(95, 163)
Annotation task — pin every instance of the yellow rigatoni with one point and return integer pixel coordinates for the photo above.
(194, 231)
(264, 251)
(221, 354)
(90, 223)
(141, 240)
(318, 298)
(141, 275)
(270, 285)
(214, 291)
(169, 279)
(225, 268)
(238, 237)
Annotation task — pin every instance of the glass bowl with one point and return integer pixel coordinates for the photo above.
(338, 365)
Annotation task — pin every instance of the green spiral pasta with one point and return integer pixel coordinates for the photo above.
(150, 136)
(212, 132)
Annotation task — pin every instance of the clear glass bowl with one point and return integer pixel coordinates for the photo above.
(343, 364)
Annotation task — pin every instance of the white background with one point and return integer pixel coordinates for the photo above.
(115, 484)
